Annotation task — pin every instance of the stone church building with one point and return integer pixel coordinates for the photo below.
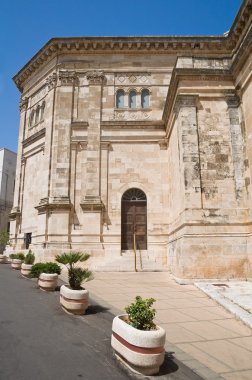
(139, 141)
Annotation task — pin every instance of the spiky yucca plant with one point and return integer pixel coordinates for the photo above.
(76, 275)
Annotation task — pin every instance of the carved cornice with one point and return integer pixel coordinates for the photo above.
(92, 204)
(53, 203)
(95, 77)
(23, 104)
(15, 213)
(192, 74)
(67, 78)
(38, 135)
(218, 46)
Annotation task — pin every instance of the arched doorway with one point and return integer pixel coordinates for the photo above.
(134, 219)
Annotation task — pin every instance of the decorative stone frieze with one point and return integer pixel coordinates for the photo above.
(132, 115)
(132, 79)
(95, 77)
(51, 81)
(23, 104)
(67, 78)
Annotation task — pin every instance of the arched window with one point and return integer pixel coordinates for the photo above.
(145, 98)
(42, 111)
(134, 220)
(132, 99)
(37, 115)
(120, 99)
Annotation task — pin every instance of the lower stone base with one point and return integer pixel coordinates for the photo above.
(193, 252)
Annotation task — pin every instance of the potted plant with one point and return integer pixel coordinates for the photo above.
(27, 264)
(137, 341)
(47, 274)
(16, 260)
(73, 297)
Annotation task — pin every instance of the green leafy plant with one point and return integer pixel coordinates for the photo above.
(29, 258)
(48, 267)
(141, 315)
(19, 256)
(4, 238)
(76, 275)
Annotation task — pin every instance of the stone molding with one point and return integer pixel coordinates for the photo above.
(36, 136)
(15, 213)
(23, 104)
(95, 77)
(53, 203)
(233, 100)
(92, 204)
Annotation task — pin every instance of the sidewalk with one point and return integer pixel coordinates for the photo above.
(200, 332)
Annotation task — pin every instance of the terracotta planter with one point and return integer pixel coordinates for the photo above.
(48, 281)
(16, 264)
(26, 269)
(74, 301)
(3, 259)
(142, 351)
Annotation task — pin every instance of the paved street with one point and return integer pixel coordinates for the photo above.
(200, 332)
(39, 341)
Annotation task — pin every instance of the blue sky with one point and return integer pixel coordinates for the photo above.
(26, 25)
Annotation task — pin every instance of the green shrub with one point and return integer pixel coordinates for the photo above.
(29, 258)
(76, 275)
(141, 315)
(48, 267)
(19, 256)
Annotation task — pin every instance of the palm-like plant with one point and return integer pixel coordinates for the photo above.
(76, 275)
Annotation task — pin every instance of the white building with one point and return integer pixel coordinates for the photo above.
(7, 182)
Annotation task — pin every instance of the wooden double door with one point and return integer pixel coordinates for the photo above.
(134, 220)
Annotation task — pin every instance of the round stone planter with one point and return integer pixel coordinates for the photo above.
(26, 269)
(74, 301)
(16, 264)
(3, 259)
(48, 281)
(142, 351)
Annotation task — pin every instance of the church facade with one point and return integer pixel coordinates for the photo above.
(139, 143)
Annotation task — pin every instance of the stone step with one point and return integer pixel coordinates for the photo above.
(126, 263)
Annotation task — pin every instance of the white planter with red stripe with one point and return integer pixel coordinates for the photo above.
(74, 301)
(2, 259)
(48, 281)
(16, 264)
(26, 269)
(142, 351)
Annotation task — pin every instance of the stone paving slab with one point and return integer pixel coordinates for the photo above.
(201, 333)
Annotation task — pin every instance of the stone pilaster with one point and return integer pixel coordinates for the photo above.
(237, 142)
(186, 110)
(91, 202)
(15, 215)
(92, 196)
